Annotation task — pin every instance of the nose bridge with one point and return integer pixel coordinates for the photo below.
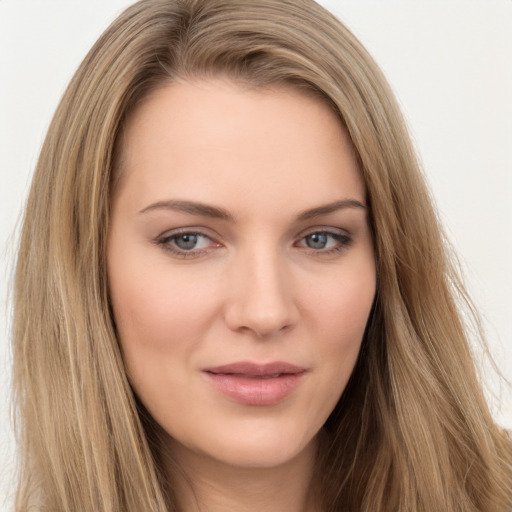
(261, 298)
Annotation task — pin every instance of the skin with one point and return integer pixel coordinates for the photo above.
(258, 285)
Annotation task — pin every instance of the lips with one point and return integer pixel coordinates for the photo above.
(255, 384)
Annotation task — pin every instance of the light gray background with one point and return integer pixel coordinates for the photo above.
(450, 63)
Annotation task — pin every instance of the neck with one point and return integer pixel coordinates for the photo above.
(203, 484)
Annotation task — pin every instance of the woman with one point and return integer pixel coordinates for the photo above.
(232, 291)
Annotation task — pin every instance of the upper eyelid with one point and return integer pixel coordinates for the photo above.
(181, 233)
(324, 229)
(215, 237)
(206, 232)
(186, 230)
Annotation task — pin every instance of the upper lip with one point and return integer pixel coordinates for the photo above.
(249, 368)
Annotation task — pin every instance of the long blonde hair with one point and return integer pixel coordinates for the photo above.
(412, 431)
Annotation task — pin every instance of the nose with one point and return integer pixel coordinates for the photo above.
(260, 294)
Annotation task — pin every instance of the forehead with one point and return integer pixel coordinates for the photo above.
(214, 137)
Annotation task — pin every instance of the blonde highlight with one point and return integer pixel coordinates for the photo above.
(412, 431)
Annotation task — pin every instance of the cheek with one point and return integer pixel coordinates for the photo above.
(342, 304)
(342, 312)
(353, 305)
(154, 303)
(161, 316)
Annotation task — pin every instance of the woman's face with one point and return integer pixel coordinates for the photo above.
(241, 267)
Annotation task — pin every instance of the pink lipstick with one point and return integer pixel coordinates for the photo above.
(255, 384)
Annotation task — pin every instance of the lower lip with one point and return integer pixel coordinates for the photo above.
(255, 390)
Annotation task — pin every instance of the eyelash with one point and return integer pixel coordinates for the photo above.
(166, 243)
(343, 241)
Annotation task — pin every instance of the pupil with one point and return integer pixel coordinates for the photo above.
(316, 241)
(186, 241)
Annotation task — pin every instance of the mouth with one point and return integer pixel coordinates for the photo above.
(255, 384)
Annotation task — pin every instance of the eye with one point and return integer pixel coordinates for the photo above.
(325, 241)
(186, 243)
(189, 241)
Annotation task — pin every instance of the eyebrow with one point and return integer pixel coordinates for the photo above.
(330, 208)
(190, 207)
(206, 210)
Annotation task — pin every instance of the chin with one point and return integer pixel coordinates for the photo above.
(259, 448)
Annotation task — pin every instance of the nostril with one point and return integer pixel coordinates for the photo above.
(262, 332)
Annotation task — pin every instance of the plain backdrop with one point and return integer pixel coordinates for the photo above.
(450, 64)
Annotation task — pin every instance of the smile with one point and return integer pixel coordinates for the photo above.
(254, 384)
